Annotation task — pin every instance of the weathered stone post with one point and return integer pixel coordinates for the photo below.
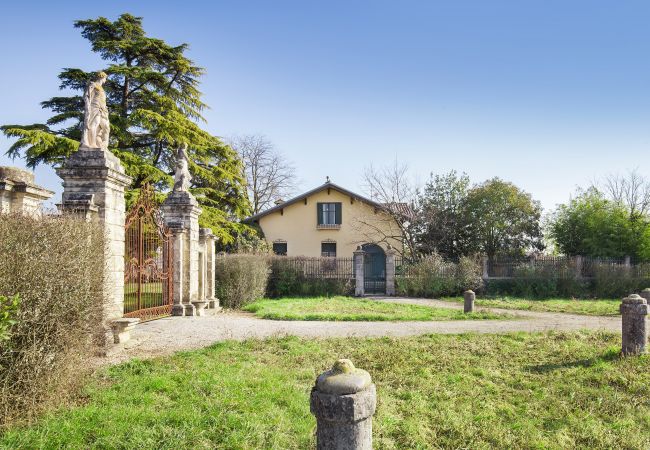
(359, 288)
(390, 271)
(578, 261)
(486, 274)
(181, 214)
(469, 297)
(209, 241)
(634, 310)
(343, 401)
(94, 182)
(18, 192)
(646, 294)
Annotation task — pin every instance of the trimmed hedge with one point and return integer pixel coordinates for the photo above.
(433, 277)
(240, 279)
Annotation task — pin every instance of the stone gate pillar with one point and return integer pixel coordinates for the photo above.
(358, 262)
(390, 271)
(181, 214)
(208, 241)
(94, 182)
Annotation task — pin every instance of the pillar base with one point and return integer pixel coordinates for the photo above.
(199, 307)
(178, 310)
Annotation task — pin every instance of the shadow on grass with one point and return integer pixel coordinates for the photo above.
(609, 356)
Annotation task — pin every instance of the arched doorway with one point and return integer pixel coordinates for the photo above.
(374, 269)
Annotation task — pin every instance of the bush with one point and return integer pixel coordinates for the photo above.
(55, 266)
(241, 279)
(616, 281)
(542, 281)
(288, 280)
(434, 277)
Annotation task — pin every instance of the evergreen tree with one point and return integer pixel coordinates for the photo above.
(154, 105)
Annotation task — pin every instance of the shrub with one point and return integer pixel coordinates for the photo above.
(8, 310)
(288, 279)
(55, 266)
(241, 279)
(616, 281)
(433, 277)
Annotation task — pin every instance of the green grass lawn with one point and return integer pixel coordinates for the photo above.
(604, 307)
(354, 309)
(551, 390)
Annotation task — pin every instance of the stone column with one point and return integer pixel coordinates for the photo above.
(486, 274)
(343, 401)
(390, 271)
(94, 182)
(359, 288)
(634, 310)
(181, 213)
(469, 297)
(210, 260)
(578, 260)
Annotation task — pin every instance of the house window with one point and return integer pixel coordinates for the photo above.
(280, 248)
(329, 214)
(328, 249)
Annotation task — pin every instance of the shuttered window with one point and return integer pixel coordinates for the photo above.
(280, 248)
(329, 213)
(328, 249)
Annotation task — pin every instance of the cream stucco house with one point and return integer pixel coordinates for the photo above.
(328, 221)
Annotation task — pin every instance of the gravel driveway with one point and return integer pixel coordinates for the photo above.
(171, 334)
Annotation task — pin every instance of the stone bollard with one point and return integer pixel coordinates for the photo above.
(634, 310)
(469, 297)
(343, 401)
(646, 294)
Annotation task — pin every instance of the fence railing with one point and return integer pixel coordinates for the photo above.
(318, 268)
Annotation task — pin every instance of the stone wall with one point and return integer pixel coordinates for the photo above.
(18, 192)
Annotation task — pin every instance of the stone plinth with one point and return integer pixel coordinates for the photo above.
(18, 192)
(634, 310)
(94, 182)
(181, 214)
(343, 401)
(645, 294)
(469, 297)
(122, 329)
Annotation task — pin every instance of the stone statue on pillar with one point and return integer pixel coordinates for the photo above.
(182, 177)
(96, 127)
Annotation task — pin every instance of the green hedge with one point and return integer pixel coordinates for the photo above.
(240, 279)
(433, 277)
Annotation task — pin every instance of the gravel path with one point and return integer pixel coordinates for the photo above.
(171, 334)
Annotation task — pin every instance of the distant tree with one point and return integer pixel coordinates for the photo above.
(269, 176)
(154, 105)
(501, 219)
(592, 225)
(441, 222)
(632, 191)
(393, 188)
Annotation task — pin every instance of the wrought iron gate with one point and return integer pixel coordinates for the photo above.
(147, 260)
(374, 269)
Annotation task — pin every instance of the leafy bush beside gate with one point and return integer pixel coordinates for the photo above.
(433, 277)
(240, 279)
(310, 277)
(55, 266)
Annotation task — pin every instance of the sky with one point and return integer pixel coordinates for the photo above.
(547, 94)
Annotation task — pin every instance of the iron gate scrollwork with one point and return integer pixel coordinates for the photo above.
(147, 260)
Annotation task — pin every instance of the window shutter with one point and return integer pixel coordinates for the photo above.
(338, 214)
(319, 213)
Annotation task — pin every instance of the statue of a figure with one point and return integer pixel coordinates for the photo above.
(182, 176)
(96, 126)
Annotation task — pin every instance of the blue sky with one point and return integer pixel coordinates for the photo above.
(546, 94)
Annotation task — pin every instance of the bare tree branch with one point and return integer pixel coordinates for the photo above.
(269, 175)
(631, 190)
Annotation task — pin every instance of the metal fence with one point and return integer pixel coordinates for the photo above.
(313, 268)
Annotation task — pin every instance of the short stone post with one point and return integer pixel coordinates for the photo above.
(390, 271)
(343, 401)
(181, 214)
(646, 294)
(634, 310)
(469, 297)
(359, 288)
(94, 182)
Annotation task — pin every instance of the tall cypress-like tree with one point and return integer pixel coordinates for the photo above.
(154, 105)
